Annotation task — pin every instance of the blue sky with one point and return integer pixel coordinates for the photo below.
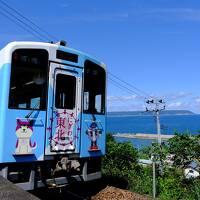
(153, 45)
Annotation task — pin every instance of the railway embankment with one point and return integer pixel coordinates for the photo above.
(8, 191)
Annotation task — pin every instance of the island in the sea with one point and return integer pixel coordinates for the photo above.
(142, 113)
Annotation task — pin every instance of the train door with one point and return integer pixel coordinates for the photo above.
(93, 117)
(63, 109)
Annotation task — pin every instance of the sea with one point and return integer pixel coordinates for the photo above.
(147, 124)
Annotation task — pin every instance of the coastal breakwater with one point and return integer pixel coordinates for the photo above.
(142, 136)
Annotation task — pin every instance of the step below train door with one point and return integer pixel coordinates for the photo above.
(63, 123)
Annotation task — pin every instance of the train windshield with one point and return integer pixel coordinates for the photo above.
(28, 84)
(94, 88)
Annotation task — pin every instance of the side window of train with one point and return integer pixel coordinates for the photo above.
(28, 81)
(94, 88)
(65, 96)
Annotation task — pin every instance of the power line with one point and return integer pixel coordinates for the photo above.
(49, 35)
(31, 22)
(45, 34)
(22, 22)
(39, 35)
(128, 84)
(124, 87)
(117, 85)
(22, 26)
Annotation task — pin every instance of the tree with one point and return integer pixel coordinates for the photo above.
(170, 187)
(185, 149)
(120, 159)
(140, 180)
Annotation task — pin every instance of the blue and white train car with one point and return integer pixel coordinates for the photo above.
(52, 113)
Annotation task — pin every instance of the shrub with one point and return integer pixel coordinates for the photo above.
(140, 180)
(120, 159)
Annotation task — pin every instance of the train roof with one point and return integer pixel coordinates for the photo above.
(48, 46)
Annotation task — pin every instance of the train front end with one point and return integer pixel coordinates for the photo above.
(52, 110)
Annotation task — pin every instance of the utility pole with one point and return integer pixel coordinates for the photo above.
(158, 126)
(154, 178)
(155, 106)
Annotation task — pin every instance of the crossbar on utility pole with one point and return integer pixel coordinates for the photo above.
(156, 105)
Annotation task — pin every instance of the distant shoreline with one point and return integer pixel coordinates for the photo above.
(142, 113)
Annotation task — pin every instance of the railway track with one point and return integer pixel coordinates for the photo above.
(58, 193)
(75, 191)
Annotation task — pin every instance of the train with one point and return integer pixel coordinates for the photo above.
(52, 114)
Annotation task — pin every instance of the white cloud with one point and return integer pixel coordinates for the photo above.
(121, 98)
(191, 105)
(182, 100)
(197, 99)
(134, 102)
(125, 103)
(184, 14)
(174, 101)
(92, 18)
(126, 107)
(178, 95)
(175, 105)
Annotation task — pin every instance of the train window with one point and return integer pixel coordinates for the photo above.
(86, 100)
(94, 88)
(65, 91)
(67, 56)
(28, 82)
(98, 103)
(22, 105)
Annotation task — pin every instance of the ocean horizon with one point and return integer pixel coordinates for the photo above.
(187, 123)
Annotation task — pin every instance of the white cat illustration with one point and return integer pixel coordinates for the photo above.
(24, 130)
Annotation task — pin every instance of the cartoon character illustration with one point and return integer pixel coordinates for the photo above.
(24, 130)
(93, 133)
